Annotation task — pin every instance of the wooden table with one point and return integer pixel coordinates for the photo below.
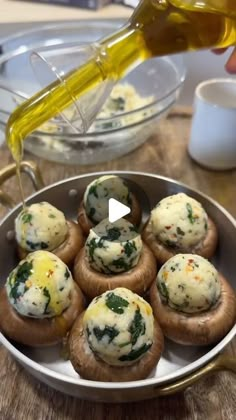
(24, 398)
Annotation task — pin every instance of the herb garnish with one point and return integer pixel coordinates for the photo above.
(92, 212)
(93, 190)
(112, 234)
(36, 245)
(133, 229)
(93, 245)
(117, 104)
(190, 213)
(134, 354)
(111, 332)
(116, 303)
(121, 263)
(180, 231)
(52, 216)
(163, 290)
(21, 275)
(129, 248)
(26, 217)
(137, 327)
(47, 295)
(67, 274)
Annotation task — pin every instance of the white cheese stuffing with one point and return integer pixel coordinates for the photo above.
(189, 283)
(119, 326)
(40, 226)
(113, 247)
(40, 286)
(179, 221)
(98, 193)
(124, 98)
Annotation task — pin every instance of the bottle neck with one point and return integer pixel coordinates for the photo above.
(121, 52)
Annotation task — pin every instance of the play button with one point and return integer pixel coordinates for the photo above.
(116, 210)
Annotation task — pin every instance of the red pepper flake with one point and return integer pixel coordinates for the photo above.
(167, 227)
(190, 260)
(50, 273)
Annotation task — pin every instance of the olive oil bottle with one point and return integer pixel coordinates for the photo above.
(157, 27)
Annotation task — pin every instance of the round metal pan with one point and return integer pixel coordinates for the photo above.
(180, 366)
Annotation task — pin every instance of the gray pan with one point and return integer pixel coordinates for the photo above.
(179, 366)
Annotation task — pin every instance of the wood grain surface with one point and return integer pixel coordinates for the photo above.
(214, 398)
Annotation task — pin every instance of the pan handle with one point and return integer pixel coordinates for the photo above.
(221, 362)
(28, 167)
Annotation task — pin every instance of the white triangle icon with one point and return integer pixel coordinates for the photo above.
(116, 210)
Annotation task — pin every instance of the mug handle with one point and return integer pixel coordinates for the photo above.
(221, 362)
(28, 167)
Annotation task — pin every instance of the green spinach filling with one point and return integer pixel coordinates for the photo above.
(116, 303)
(20, 276)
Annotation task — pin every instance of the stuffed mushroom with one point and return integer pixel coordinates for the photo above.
(94, 207)
(40, 300)
(116, 338)
(42, 226)
(194, 304)
(179, 224)
(114, 256)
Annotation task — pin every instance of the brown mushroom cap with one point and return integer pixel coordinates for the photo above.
(38, 332)
(91, 367)
(163, 253)
(134, 217)
(68, 250)
(94, 283)
(199, 329)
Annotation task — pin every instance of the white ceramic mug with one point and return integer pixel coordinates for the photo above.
(213, 132)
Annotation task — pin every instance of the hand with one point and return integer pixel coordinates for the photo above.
(230, 66)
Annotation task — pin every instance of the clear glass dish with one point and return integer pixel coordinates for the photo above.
(159, 79)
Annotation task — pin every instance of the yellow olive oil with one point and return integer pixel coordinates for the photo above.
(157, 27)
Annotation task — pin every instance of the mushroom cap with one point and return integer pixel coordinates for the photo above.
(133, 217)
(205, 248)
(196, 329)
(40, 226)
(68, 250)
(39, 332)
(88, 366)
(94, 283)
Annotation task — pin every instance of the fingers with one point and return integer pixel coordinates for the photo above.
(219, 51)
(230, 66)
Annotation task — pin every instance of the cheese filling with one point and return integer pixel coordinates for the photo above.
(40, 286)
(113, 247)
(119, 327)
(189, 283)
(40, 226)
(179, 222)
(98, 193)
